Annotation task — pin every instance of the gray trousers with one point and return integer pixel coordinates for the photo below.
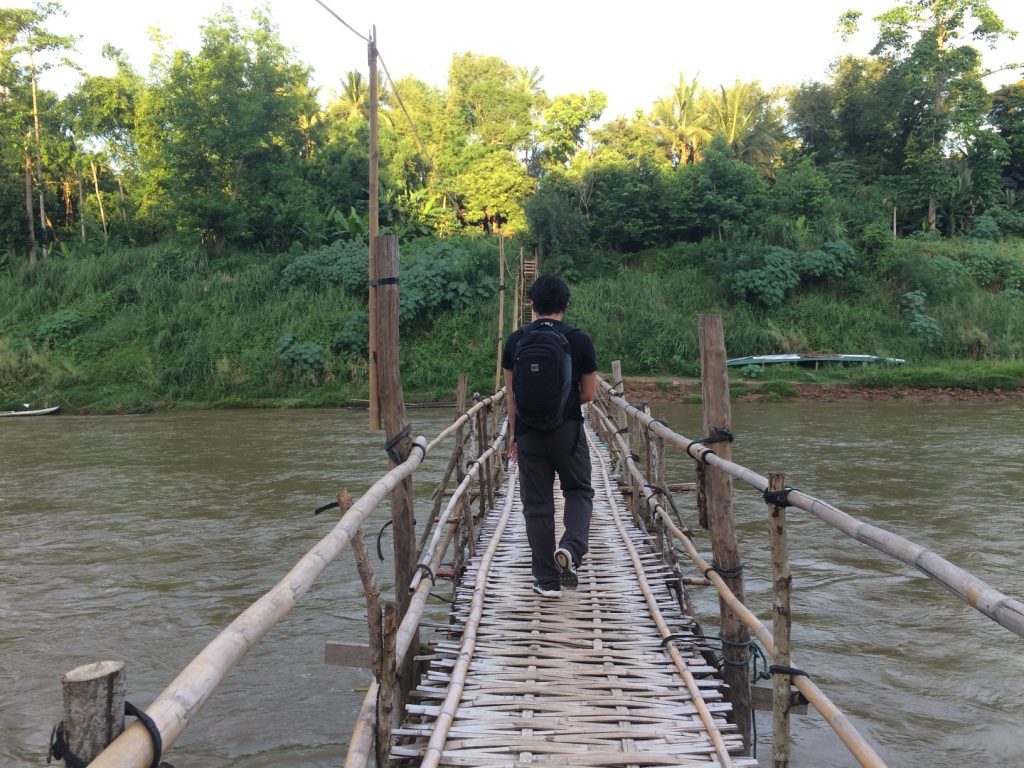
(541, 455)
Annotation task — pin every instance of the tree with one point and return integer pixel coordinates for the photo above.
(682, 123)
(945, 100)
(24, 36)
(749, 119)
(565, 124)
(223, 138)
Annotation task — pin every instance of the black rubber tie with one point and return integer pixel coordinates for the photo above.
(154, 733)
(426, 569)
(777, 669)
(778, 498)
(383, 281)
(389, 446)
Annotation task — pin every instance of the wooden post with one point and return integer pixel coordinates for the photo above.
(718, 493)
(385, 700)
(501, 310)
(781, 624)
(396, 430)
(374, 226)
(93, 708)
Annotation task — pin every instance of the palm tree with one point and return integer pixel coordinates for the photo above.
(353, 101)
(749, 120)
(681, 124)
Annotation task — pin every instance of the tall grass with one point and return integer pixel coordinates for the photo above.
(139, 328)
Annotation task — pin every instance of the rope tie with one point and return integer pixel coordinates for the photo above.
(622, 431)
(426, 569)
(61, 750)
(390, 446)
(778, 498)
(725, 573)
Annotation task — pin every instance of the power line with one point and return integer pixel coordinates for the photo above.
(360, 35)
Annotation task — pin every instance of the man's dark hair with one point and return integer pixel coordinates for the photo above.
(549, 294)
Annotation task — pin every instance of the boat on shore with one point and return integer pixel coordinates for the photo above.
(814, 359)
(32, 411)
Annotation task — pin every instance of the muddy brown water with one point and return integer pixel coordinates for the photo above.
(139, 537)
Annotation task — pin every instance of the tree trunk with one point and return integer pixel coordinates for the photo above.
(39, 154)
(81, 207)
(99, 197)
(29, 212)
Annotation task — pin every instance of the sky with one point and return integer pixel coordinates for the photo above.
(632, 51)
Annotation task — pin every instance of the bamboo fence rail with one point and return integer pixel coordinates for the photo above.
(848, 734)
(1006, 611)
(361, 742)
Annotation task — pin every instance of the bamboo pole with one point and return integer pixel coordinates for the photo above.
(726, 548)
(855, 743)
(374, 229)
(782, 581)
(363, 732)
(1006, 611)
(427, 552)
(175, 707)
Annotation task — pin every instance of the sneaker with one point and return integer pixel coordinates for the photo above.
(568, 575)
(547, 591)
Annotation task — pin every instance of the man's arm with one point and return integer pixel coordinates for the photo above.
(588, 387)
(510, 400)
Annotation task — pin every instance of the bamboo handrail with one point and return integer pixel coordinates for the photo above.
(725, 759)
(844, 729)
(442, 519)
(363, 732)
(188, 692)
(1006, 611)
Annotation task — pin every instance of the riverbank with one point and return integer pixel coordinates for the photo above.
(675, 390)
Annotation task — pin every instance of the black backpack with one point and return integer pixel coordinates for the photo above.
(542, 376)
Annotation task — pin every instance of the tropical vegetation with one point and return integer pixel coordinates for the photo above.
(197, 233)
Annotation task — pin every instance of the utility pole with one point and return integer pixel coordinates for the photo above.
(374, 214)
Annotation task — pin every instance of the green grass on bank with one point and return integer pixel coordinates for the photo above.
(138, 329)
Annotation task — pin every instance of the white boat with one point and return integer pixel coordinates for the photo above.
(813, 359)
(33, 412)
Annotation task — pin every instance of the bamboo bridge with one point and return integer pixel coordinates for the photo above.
(617, 672)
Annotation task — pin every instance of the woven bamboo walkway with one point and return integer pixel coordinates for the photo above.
(583, 680)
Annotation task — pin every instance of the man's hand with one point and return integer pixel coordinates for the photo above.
(513, 450)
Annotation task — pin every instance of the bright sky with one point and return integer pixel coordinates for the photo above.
(632, 51)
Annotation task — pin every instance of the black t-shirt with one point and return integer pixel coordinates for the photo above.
(584, 360)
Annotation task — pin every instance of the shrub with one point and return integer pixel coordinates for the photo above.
(62, 324)
(304, 359)
(766, 277)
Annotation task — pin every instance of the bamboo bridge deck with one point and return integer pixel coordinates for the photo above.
(588, 679)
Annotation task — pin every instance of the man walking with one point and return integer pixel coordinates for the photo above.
(550, 370)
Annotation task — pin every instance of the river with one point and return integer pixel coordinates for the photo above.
(139, 537)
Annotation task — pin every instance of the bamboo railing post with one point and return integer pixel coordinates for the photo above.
(782, 581)
(718, 491)
(389, 671)
(399, 443)
(93, 709)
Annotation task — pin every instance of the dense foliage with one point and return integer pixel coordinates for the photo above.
(198, 232)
